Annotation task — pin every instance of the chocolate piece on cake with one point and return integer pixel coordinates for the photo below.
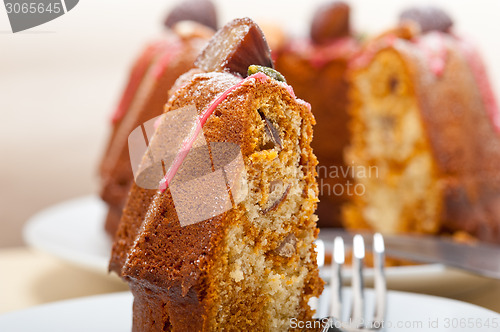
(251, 265)
(426, 123)
(316, 69)
(146, 92)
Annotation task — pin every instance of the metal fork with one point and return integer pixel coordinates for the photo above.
(334, 321)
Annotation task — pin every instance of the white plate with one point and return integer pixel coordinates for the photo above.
(74, 231)
(106, 313)
(434, 279)
(417, 312)
(113, 312)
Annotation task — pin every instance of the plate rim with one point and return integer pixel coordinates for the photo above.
(82, 259)
(126, 298)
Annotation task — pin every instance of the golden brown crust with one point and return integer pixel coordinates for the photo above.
(133, 215)
(188, 281)
(115, 171)
(112, 220)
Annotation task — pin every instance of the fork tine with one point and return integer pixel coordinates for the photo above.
(358, 302)
(338, 258)
(320, 258)
(320, 253)
(379, 276)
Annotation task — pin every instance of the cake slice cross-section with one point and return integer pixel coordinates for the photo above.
(253, 265)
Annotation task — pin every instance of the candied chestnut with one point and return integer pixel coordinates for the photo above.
(288, 247)
(200, 11)
(235, 47)
(331, 21)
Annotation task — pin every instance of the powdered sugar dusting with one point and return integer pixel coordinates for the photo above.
(434, 50)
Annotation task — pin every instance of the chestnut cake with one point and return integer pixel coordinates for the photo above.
(161, 62)
(316, 68)
(252, 267)
(424, 116)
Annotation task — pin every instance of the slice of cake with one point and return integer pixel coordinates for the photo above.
(153, 74)
(425, 133)
(316, 68)
(225, 239)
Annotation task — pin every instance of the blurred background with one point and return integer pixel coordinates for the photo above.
(59, 83)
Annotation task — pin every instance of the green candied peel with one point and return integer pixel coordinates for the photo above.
(361, 37)
(274, 74)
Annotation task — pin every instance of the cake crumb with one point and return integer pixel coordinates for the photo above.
(237, 274)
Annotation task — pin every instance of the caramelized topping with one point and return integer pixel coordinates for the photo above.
(235, 47)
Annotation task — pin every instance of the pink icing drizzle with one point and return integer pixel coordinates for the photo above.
(289, 89)
(435, 51)
(340, 48)
(187, 144)
(365, 56)
(170, 50)
(320, 55)
(432, 46)
(160, 67)
(138, 71)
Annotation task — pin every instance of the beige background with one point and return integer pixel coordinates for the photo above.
(60, 81)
